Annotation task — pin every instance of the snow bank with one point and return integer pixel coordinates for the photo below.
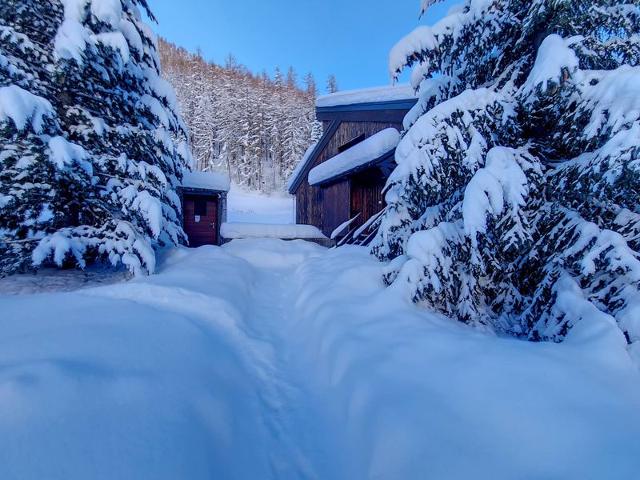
(272, 359)
(367, 95)
(147, 379)
(206, 180)
(416, 395)
(364, 152)
(232, 231)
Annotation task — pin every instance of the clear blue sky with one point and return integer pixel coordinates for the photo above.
(350, 38)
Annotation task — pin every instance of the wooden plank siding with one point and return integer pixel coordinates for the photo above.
(328, 206)
(366, 195)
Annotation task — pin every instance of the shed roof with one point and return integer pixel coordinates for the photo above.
(357, 157)
(392, 93)
(218, 182)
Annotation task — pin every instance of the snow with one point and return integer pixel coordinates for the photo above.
(55, 280)
(23, 108)
(59, 245)
(271, 359)
(500, 182)
(206, 180)
(246, 206)
(342, 228)
(150, 208)
(118, 42)
(364, 152)
(614, 101)
(232, 231)
(107, 11)
(367, 95)
(293, 178)
(428, 38)
(72, 37)
(63, 154)
(554, 58)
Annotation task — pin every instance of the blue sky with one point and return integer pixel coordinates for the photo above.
(350, 38)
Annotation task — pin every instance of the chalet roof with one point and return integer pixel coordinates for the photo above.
(382, 104)
(357, 158)
(368, 96)
(214, 181)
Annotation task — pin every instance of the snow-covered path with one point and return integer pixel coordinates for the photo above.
(284, 395)
(269, 359)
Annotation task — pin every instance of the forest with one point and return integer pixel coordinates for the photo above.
(253, 127)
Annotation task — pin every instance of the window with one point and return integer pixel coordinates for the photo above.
(200, 207)
(351, 143)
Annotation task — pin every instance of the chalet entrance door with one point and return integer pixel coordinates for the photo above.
(201, 220)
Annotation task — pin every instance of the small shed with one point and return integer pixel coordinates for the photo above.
(204, 206)
(339, 183)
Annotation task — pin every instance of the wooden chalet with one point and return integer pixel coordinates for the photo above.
(204, 206)
(339, 183)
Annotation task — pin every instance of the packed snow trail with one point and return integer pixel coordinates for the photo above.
(285, 399)
(282, 360)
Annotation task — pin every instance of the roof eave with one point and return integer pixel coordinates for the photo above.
(360, 168)
(201, 191)
(405, 104)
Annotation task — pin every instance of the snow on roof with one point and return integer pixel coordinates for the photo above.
(367, 95)
(364, 152)
(207, 181)
(300, 167)
(233, 231)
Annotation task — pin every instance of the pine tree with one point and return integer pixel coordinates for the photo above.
(42, 177)
(515, 205)
(332, 84)
(292, 78)
(99, 180)
(310, 86)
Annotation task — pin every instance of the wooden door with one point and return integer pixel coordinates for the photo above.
(201, 220)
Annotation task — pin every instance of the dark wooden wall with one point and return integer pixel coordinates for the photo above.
(328, 206)
(366, 195)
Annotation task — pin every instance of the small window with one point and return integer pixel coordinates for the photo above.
(200, 207)
(351, 143)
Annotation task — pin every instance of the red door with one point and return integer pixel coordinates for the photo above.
(201, 220)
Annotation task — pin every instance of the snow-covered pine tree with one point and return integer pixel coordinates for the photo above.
(93, 174)
(42, 177)
(515, 201)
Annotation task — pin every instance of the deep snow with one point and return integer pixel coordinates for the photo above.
(271, 359)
